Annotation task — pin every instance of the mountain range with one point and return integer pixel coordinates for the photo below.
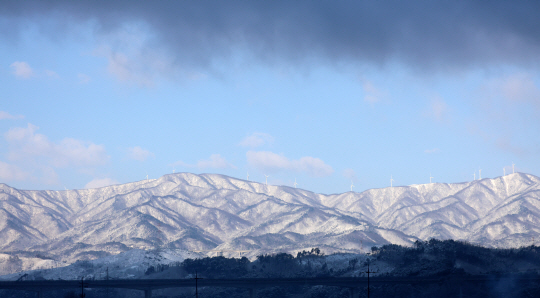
(211, 212)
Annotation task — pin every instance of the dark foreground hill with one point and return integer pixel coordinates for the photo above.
(458, 268)
(501, 272)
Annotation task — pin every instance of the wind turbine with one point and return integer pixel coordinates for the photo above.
(513, 168)
(480, 174)
(146, 176)
(430, 178)
(295, 184)
(266, 179)
(391, 180)
(173, 170)
(474, 176)
(352, 185)
(247, 176)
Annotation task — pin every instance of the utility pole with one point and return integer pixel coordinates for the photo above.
(107, 282)
(196, 284)
(82, 287)
(368, 272)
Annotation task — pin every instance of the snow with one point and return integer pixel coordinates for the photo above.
(124, 265)
(211, 212)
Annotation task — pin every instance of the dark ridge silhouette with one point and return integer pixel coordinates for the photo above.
(431, 268)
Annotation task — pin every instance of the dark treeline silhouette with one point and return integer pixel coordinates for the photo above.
(452, 262)
(277, 265)
(436, 258)
(448, 260)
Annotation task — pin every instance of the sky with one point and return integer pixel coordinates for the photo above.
(324, 93)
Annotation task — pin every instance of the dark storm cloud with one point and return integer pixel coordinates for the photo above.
(422, 34)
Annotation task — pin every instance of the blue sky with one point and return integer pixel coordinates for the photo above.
(98, 93)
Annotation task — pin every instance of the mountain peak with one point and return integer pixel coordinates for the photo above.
(212, 211)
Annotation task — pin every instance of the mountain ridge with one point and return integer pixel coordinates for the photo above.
(217, 212)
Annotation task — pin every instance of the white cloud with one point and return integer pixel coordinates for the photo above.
(437, 110)
(505, 143)
(83, 78)
(22, 70)
(6, 115)
(312, 166)
(26, 144)
(79, 153)
(267, 161)
(349, 174)
(12, 172)
(257, 139)
(140, 68)
(138, 153)
(216, 161)
(97, 183)
(520, 88)
(121, 67)
(51, 74)
(430, 151)
(49, 176)
(372, 95)
(505, 105)
(133, 58)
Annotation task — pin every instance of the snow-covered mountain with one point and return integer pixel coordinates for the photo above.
(215, 212)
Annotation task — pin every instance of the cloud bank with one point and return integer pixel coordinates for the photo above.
(438, 110)
(430, 35)
(216, 161)
(9, 172)
(25, 144)
(6, 115)
(257, 139)
(350, 174)
(22, 70)
(100, 182)
(267, 161)
(32, 156)
(138, 153)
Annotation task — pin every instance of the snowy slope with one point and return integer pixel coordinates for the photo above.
(215, 212)
(130, 264)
